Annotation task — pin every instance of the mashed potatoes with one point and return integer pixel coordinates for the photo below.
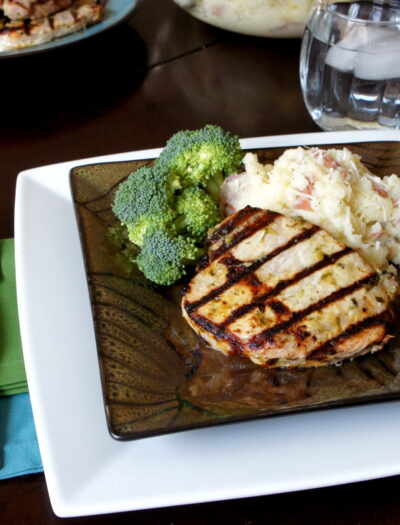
(330, 188)
(269, 18)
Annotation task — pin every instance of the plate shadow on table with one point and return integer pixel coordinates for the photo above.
(71, 84)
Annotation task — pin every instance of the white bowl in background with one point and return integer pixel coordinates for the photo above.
(265, 18)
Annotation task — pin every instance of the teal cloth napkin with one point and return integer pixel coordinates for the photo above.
(18, 443)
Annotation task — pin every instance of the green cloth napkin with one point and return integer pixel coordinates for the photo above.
(12, 370)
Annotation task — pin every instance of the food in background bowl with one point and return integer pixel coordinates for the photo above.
(267, 18)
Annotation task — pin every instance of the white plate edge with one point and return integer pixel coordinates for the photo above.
(61, 507)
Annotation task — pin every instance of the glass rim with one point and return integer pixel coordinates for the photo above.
(324, 4)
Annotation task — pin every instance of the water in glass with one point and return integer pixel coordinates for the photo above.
(350, 65)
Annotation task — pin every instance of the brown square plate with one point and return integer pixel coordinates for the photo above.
(157, 375)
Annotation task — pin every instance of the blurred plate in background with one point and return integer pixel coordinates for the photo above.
(116, 11)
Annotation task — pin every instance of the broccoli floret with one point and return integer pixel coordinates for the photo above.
(137, 231)
(166, 209)
(163, 256)
(198, 212)
(145, 200)
(202, 157)
(118, 239)
(124, 252)
(116, 235)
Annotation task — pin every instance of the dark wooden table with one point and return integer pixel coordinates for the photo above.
(132, 88)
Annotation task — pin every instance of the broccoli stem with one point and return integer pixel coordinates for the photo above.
(213, 186)
(180, 224)
(190, 262)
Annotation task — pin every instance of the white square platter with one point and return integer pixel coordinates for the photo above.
(87, 472)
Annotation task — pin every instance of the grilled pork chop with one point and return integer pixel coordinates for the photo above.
(284, 293)
(22, 34)
(32, 9)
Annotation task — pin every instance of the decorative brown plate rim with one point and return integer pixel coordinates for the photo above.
(387, 396)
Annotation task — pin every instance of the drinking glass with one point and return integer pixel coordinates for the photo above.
(350, 64)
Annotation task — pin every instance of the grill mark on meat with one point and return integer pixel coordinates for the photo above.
(229, 225)
(302, 332)
(267, 335)
(24, 27)
(75, 16)
(243, 216)
(203, 262)
(241, 271)
(218, 329)
(278, 307)
(253, 281)
(260, 301)
(218, 332)
(261, 222)
(27, 27)
(328, 348)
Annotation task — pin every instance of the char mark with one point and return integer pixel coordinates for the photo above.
(231, 224)
(203, 262)
(329, 347)
(267, 335)
(218, 332)
(278, 307)
(265, 218)
(242, 270)
(27, 27)
(24, 27)
(281, 285)
(252, 281)
(51, 21)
